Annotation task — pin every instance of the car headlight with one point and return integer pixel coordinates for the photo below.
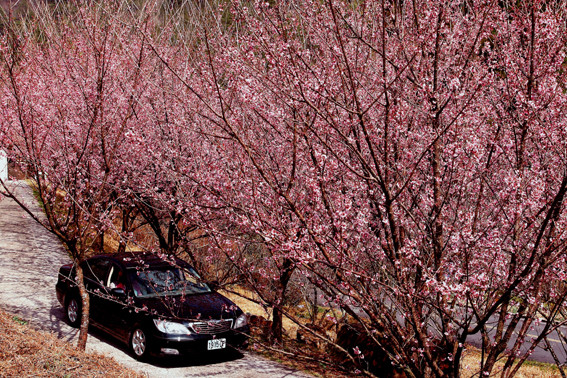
(241, 321)
(172, 328)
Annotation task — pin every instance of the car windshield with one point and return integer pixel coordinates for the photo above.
(166, 280)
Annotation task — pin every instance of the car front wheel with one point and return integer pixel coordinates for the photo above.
(139, 344)
(74, 312)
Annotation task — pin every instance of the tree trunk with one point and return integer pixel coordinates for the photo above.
(98, 244)
(277, 317)
(277, 325)
(85, 303)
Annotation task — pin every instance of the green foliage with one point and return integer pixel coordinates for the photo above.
(19, 320)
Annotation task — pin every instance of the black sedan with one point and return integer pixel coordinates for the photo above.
(155, 304)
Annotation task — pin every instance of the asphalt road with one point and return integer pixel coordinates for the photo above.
(29, 261)
(541, 353)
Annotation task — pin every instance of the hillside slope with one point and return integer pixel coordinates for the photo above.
(26, 352)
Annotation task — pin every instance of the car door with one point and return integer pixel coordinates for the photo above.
(96, 275)
(114, 310)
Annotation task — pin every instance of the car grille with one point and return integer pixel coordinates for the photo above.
(211, 327)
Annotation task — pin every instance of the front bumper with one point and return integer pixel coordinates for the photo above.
(184, 345)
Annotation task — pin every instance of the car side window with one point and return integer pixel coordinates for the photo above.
(97, 270)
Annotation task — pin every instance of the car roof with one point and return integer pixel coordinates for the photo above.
(135, 259)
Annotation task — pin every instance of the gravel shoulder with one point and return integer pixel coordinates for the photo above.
(29, 262)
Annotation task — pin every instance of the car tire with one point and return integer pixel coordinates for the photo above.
(73, 311)
(139, 344)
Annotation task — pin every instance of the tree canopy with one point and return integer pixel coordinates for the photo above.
(408, 159)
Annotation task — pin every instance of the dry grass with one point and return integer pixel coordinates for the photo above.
(253, 308)
(25, 352)
(529, 369)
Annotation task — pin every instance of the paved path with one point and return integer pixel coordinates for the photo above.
(29, 262)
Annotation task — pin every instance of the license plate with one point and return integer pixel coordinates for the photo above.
(216, 344)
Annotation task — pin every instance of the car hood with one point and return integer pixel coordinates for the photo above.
(191, 307)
